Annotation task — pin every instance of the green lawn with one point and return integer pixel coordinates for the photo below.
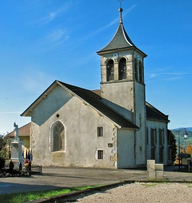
(31, 196)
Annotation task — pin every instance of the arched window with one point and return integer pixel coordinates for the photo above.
(122, 69)
(110, 70)
(140, 72)
(136, 72)
(58, 133)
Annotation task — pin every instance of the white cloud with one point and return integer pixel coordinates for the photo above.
(57, 37)
(35, 81)
(112, 22)
(171, 76)
(51, 41)
(153, 75)
(129, 9)
(117, 19)
(52, 15)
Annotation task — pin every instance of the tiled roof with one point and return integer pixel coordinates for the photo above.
(88, 96)
(155, 114)
(98, 92)
(151, 111)
(23, 131)
(95, 101)
(120, 41)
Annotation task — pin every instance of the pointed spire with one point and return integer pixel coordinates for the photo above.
(120, 16)
(121, 40)
(120, 13)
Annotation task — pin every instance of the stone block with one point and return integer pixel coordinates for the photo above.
(151, 175)
(159, 167)
(159, 174)
(113, 158)
(150, 165)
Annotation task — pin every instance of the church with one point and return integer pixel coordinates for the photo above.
(113, 127)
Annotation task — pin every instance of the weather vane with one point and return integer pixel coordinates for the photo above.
(120, 2)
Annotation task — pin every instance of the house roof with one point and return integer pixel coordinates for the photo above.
(151, 112)
(155, 114)
(94, 100)
(23, 131)
(120, 41)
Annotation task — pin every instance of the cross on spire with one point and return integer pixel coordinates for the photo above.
(120, 2)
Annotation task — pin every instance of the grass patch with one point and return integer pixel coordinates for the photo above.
(151, 184)
(163, 180)
(189, 185)
(35, 195)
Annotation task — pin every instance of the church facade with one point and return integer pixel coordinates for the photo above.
(111, 128)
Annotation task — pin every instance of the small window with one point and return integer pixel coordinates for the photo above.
(136, 72)
(147, 139)
(153, 137)
(58, 137)
(99, 131)
(110, 70)
(100, 154)
(122, 69)
(161, 137)
(140, 72)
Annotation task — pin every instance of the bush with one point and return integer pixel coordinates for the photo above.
(2, 163)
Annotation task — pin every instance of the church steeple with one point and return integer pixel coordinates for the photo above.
(120, 41)
(122, 74)
(122, 81)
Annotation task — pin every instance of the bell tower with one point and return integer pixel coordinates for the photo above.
(122, 82)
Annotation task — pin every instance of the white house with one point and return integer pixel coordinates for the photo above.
(112, 128)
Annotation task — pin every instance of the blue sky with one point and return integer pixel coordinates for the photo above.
(47, 40)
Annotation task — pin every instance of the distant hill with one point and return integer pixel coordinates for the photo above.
(183, 129)
(189, 129)
(181, 132)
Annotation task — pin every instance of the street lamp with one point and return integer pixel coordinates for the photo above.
(179, 149)
(185, 137)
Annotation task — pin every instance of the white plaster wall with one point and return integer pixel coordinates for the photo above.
(125, 152)
(128, 99)
(81, 141)
(140, 121)
(119, 96)
(152, 124)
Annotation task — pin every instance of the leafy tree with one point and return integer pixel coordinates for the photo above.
(172, 143)
(189, 149)
(3, 149)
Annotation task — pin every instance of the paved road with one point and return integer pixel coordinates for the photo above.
(53, 178)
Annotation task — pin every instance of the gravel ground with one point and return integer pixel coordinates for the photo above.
(142, 193)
